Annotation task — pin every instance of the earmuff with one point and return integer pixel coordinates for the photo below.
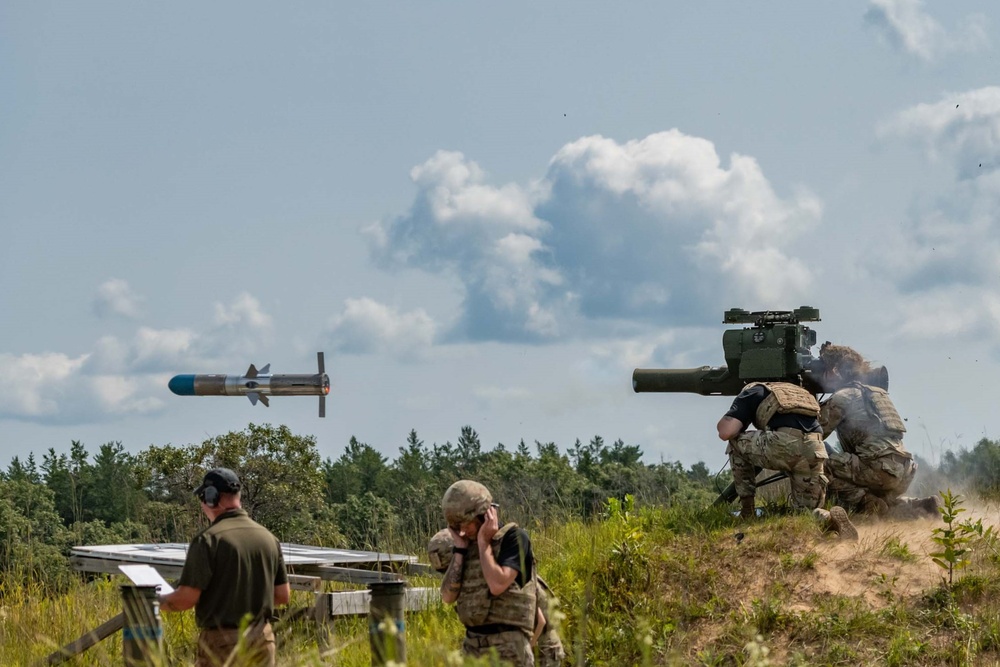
(210, 496)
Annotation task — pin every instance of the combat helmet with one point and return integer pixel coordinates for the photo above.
(464, 501)
(439, 550)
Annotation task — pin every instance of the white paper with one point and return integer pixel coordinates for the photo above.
(146, 575)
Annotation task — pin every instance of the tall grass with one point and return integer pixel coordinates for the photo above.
(637, 586)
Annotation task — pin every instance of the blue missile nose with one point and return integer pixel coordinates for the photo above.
(182, 385)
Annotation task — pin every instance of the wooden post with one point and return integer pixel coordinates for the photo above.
(323, 616)
(386, 627)
(80, 645)
(142, 636)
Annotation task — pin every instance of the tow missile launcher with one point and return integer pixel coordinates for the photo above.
(776, 347)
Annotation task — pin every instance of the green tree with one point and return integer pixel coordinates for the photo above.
(280, 471)
(359, 469)
(368, 522)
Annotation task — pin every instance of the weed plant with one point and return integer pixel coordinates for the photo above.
(636, 586)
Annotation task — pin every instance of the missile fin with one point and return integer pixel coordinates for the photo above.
(251, 372)
(320, 362)
(263, 399)
(265, 370)
(322, 404)
(254, 397)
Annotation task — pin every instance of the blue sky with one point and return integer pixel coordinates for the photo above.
(487, 214)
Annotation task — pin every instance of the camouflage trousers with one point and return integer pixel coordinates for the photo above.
(886, 477)
(800, 455)
(550, 652)
(255, 649)
(513, 646)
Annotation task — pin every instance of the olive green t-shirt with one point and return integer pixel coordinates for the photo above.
(235, 563)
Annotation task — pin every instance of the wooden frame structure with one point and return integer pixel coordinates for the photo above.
(308, 567)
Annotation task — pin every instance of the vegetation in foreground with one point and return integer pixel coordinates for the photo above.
(642, 580)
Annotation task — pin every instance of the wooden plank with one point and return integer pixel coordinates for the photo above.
(87, 640)
(421, 569)
(351, 575)
(107, 566)
(298, 582)
(301, 582)
(355, 603)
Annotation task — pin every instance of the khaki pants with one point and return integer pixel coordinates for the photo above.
(514, 646)
(800, 455)
(254, 648)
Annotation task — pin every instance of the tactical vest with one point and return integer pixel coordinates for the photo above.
(477, 606)
(785, 399)
(549, 634)
(868, 413)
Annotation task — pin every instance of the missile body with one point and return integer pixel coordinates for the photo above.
(256, 385)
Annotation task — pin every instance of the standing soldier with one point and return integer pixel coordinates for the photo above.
(550, 651)
(234, 573)
(490, 577)
(788, 438)
(874, 469)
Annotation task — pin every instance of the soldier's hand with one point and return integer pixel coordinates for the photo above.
(489, 527)
(460, 542)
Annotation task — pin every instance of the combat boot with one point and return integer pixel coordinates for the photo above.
(874, 506)
(748, 509)
(929, 505)
(841, 524)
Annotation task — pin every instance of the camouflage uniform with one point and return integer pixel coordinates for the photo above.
(501, 624)
(550, 652)
(874, 461)
(550, 648)
(780, 443)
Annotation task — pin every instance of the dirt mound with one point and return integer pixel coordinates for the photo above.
(890, 559)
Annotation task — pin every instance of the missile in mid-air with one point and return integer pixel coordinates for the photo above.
(256, 385)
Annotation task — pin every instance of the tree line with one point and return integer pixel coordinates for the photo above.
(360, 500)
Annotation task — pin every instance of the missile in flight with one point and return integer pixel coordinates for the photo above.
(256, 385)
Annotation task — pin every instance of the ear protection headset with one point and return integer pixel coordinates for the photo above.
(210, 496)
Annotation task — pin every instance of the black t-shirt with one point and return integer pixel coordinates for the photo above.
(515, 552)
(745, 406)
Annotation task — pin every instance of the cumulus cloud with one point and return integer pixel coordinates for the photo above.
(368, 326)
(122, 377)
(116, 298)
(650, 229)
(950, 247)
(906, 27)
(52, 387)
(239, 329)
(961, 127)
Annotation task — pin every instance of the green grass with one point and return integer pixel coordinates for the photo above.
(676, 586)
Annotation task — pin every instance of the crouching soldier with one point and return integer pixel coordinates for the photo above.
(545, 638)
(490, 578)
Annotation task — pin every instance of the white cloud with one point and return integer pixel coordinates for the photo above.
(116, 297)
(961, 127)
(945, 265)
(368, 326)
(161, 349)
(951, 313)
(650, 229)
(905, 26)
(53, 387)
(244, 311)
(240, 329)
(123, 377)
